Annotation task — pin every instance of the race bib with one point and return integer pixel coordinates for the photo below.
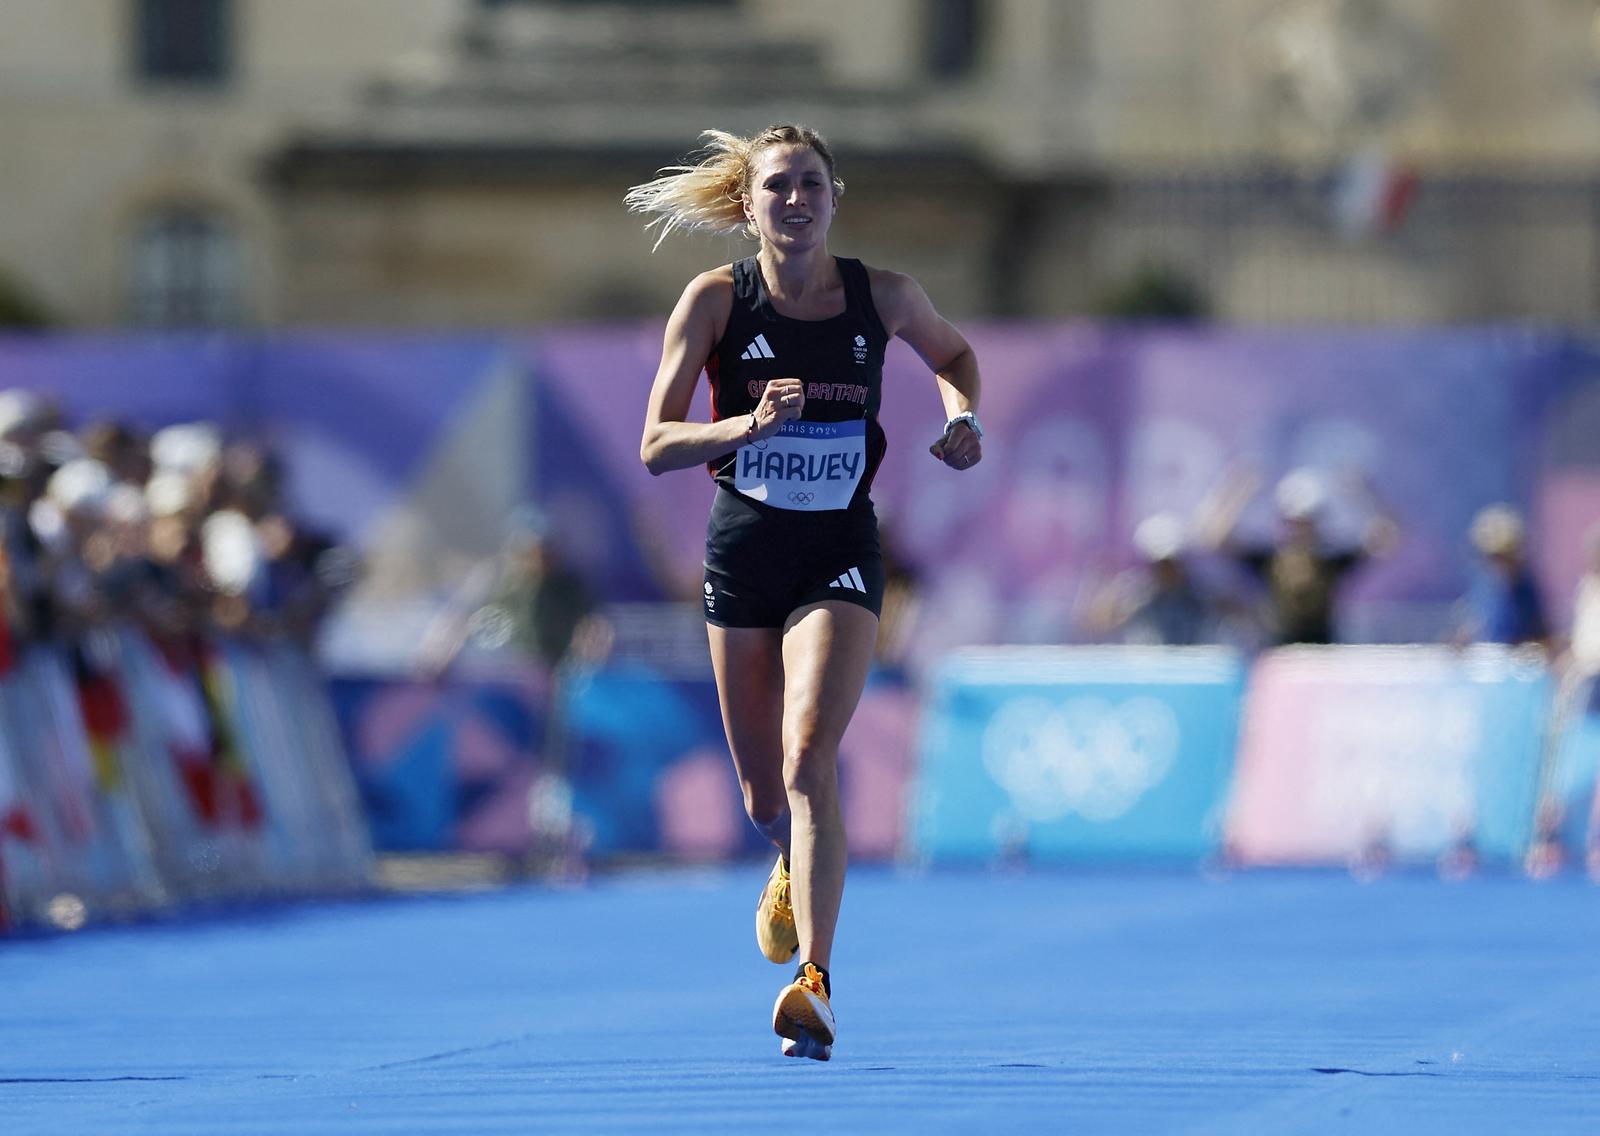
(810, 466)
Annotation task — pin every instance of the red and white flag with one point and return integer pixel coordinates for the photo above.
(1372, 193)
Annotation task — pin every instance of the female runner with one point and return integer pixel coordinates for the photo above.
(792, 342)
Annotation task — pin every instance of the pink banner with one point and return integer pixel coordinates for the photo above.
(1370, 752)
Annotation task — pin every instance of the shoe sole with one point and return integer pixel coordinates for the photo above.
(806, 1047)
(801, 1015)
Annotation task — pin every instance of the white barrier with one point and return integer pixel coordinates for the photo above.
(137, 775)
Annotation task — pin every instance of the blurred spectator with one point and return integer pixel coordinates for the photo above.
(24, 416)
(1158, 602)
(543, 602)
(27, 599)
(68, 521)
(121, 557)
(305, 572)
(230, 552)
(1303, 571)
(526, 598)
(1577, 699)
(189, 448)
(251, 479)
(1583, 648)
(121, 449)
(172, 585)
(1503, 603)
(174, 534)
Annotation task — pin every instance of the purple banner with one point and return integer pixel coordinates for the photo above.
(416, 447)
(1090, 431)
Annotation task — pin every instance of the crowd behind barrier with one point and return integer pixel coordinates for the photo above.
(165, 737)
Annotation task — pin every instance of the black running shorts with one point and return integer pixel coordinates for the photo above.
(763, 563)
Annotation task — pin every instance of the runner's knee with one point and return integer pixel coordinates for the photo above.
(765, 810)
(810, 771)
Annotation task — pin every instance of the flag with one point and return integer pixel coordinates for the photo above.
(1372, 194)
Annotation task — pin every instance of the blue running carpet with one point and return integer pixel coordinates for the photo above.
(1030, 1001)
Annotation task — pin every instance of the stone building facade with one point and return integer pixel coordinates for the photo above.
(460, 163)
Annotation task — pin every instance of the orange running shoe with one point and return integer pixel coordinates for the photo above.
(775, 931)
(803, 1016)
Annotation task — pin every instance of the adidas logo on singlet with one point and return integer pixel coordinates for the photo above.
(758, 349)
(851, 579)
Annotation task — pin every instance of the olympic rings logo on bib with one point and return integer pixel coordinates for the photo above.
(806, 466)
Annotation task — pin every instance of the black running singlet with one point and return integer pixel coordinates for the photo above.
(826, 460)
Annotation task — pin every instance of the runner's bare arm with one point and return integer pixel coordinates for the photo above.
(907, 312)
(670, 442)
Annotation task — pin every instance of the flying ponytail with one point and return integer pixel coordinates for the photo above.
(708, 196)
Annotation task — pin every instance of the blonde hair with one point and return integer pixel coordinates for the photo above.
(708, 196)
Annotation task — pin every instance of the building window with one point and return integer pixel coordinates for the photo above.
(954, 35)
(184, 270)
(183, 41)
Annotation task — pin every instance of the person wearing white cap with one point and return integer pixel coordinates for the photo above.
(1503, 604)
(22, 415)
(188, 447)
(1156, 603)
(66, 520)
(1302, 570)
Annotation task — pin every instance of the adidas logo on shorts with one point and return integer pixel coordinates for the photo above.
(852, 580)
(758, 349)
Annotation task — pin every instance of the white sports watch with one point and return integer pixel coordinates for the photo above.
(970, 419)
